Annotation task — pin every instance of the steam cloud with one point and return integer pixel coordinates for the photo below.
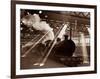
(35, 22)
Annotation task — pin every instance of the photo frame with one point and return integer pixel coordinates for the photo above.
(81, 27)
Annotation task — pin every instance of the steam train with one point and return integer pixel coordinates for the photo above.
(52, 45)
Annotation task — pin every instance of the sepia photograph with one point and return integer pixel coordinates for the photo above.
(53, 38)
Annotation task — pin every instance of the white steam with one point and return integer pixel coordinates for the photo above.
(36, 23)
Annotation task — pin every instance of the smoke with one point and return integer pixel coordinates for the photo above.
(35, 22)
